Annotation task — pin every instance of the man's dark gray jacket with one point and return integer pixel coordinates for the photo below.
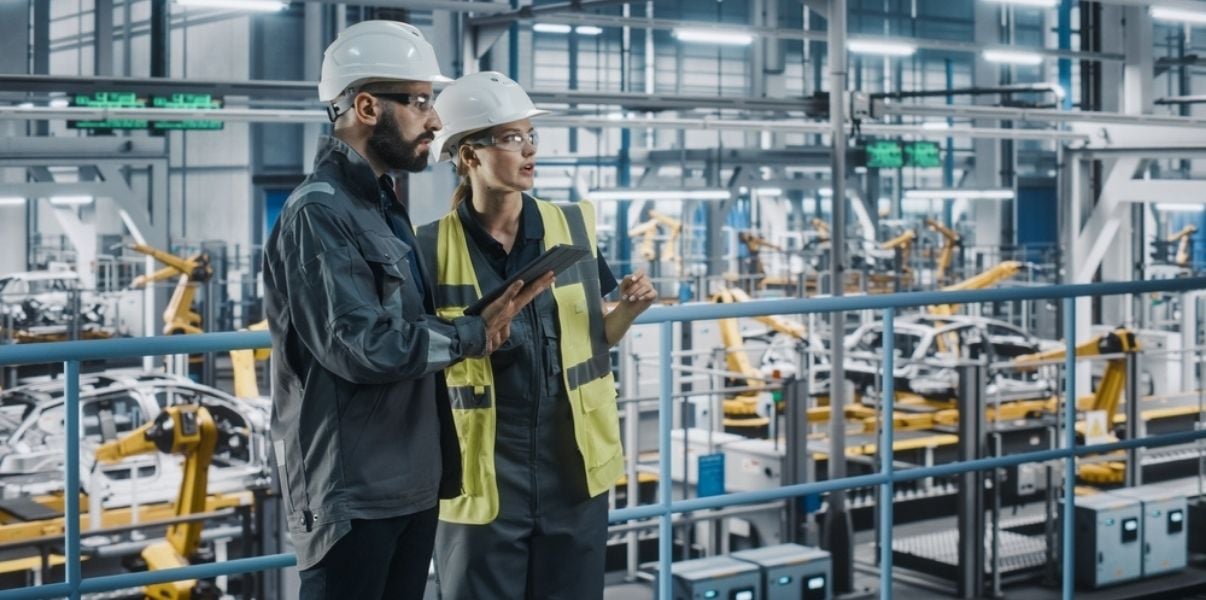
(361, 423)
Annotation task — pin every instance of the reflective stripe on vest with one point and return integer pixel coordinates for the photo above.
(588, 380)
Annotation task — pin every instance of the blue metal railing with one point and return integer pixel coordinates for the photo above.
(72, 353)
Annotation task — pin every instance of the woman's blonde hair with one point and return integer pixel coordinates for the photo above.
(464, 189)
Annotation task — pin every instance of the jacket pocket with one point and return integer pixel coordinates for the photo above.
(388, 256)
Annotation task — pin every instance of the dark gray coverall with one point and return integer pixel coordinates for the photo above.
(549, 539)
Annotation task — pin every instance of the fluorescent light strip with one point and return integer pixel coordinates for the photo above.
(1178, 15)
(959, 194)
(881, 47)
(551, 28)
(588, 30)
(630, 194)
(12, 201)
(1028, 3)
(769, 192)
(1013, 57)
(70, 200)
(719, 37)
(1179, 207)
(248, 5)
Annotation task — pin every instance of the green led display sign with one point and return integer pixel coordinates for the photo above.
(922, 154)
(884, 154)
(892, 154)
(131, 100)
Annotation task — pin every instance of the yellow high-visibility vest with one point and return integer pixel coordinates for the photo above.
(586, 375)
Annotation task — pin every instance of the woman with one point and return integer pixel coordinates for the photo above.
(537, 420)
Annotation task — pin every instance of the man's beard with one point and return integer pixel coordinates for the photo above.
(397, 155)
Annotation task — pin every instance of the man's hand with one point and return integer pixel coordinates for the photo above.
(636, 293)
(497, 316)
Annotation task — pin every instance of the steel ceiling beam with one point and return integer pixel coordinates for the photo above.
(794, 34)
(531, 12)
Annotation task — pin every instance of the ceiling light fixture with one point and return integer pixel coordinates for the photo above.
(943, 194)
(71, 200)
(1028, 3)
(719, 37)
(881, 47)
(1179, 207)
(248, 5)
(1013, 57)
(11, 201)
(588, 30)
(634, 194)
(551, 28)
(1178, 15)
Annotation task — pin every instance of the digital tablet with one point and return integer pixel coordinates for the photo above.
(555, 259)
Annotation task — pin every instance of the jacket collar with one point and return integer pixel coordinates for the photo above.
(352, 168)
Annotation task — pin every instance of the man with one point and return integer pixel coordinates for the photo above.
(361, 425)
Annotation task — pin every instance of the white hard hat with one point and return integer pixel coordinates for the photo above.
(371, 50)
(475, 102)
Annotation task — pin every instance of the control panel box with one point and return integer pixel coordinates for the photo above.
(791, 571)
(1108, 545)
(1163, 530)
(716, 578)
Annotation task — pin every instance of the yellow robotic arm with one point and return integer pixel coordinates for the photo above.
(1185, 237)
(188, 430)
(242, 363)
(179, 316)
(822, 229)
(904, 242)
(196, 267)
(1109, 391)
(775, 322)
(950, 241)
(986, 279)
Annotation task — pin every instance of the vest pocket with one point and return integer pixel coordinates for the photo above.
(475, 429)
(600, 439)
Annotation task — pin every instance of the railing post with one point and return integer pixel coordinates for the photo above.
(887, 455)
(71, 493)
(970, 581)
(1068, 540)
(664, 417)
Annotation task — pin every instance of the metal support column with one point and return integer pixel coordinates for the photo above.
(665, 546)
(887, 455)
(71, 492)
(1065, 43)
(795, 447)
(970, 582)
(161, 38)
(102, 51)
(1134, 427)
(838, 536)
(1068, 540)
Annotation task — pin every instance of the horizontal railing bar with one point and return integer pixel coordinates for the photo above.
(699, 311)
(230, 567)
(42, 592)
(136, 347)
(705, 311)
(820, 487)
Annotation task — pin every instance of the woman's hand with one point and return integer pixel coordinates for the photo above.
(636, 293)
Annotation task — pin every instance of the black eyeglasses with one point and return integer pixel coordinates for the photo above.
(422, 102)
